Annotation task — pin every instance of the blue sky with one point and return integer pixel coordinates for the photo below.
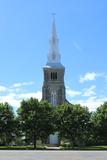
(25, 28)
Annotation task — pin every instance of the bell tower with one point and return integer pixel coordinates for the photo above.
(53, 88)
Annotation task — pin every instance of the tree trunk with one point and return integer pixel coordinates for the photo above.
(73, 142)
(34, 141)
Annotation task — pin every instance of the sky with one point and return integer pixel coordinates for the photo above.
(25, 29)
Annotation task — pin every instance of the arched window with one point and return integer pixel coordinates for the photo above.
(53, 75)
(53, 98)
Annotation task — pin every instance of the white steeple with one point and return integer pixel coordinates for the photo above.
(54, 55)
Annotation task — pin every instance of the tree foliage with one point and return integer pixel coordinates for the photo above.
(36, 119)
(100, 125)
(6, 124)
(74, 123)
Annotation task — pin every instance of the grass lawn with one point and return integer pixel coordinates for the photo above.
(95, 148)
(44, 148)
(21, 147)
(84, 148)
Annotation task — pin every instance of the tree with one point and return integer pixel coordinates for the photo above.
(6, 124)
(100, 125)
(36, 119)
(47, 120)
(74, 123)
(18, 134)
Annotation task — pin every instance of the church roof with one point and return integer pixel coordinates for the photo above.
(54, 65)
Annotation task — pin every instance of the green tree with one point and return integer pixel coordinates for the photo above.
(36, 119)
(18, 134)
(6, 124)
(47, 120)
(100, 125)
(74, 123)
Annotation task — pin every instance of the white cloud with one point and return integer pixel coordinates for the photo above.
(15, 90)
(14, 94)
(72, 93)
(3, 89)
(14, 99)
(90, 91)
(87, 97)
(11, 99)
(90, 76)
(92, 102)
(22, 84)
(37, 95)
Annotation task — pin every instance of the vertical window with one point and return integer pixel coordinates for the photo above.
(53, 98)
(53, 75)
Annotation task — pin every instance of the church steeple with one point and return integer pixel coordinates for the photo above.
(53, 89)
(54, 55)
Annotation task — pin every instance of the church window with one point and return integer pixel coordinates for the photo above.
(53, 75)
(53, 98)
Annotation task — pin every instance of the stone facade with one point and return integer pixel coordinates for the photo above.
(54, 85)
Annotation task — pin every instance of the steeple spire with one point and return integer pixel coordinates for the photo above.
(54, 55)
(54, 34)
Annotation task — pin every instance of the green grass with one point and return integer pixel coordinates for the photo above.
(95, 148)
(85, 148)
(21, 147)
(44, 148)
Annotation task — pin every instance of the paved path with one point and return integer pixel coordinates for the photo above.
(53, 155)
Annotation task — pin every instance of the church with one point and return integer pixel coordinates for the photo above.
(53, 89)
